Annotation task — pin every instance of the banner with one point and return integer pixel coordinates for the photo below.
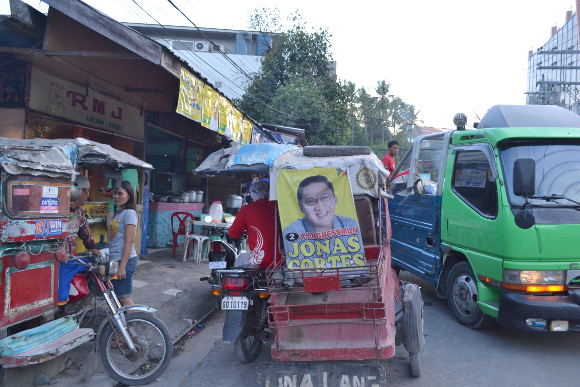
(237, 118)
(247, 128)
(318, 219)
(210, 107)
(190, 93)
(225, 114)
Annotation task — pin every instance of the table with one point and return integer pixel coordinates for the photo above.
(159, 222)
(189, 228)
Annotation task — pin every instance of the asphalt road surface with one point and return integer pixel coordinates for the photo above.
(453, 355)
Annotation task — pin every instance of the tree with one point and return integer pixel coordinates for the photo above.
(296, 86)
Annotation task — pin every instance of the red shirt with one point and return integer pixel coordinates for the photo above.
(389, 162)
(259, 219)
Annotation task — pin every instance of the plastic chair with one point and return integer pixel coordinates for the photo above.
(179, 218)
(199, 245)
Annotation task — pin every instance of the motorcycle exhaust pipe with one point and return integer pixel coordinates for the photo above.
(267, 335)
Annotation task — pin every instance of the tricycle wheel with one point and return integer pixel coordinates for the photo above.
(415, 364)
(462, 297)
(248, 345)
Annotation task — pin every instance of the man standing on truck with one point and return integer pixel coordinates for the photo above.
(389, 158)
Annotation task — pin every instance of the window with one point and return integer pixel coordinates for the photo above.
(473, 182)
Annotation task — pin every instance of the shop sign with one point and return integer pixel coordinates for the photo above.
(65, 99)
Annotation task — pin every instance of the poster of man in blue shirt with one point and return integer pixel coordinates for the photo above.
(318, 217)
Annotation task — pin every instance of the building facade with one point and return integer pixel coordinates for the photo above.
(553, 76)
(227, 58)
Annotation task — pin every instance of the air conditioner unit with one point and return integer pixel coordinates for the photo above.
(218, 48)
(201, 46)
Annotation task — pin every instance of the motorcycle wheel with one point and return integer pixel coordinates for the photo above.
(248, 345)
(154, 350)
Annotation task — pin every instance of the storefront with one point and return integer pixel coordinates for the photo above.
(58, 108)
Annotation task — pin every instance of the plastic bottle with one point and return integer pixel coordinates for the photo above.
(216, 212)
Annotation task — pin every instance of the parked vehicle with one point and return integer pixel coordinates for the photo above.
(35, 188)
(489, 216)
(317, 316)
(135, 348)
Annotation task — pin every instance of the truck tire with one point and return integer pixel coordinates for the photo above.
(330, 151)
(462, 297)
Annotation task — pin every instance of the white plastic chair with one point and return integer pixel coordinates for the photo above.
(199, 244)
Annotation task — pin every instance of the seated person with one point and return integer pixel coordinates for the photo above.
(259, 220)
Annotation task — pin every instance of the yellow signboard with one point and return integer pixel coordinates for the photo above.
(247, 128)
(190, 93)
(209, 113)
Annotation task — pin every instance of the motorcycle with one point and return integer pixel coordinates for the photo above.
(242, 292)
(135, 347)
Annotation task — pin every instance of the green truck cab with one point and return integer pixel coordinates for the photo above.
(491, 218)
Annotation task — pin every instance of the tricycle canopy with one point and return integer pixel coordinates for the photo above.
(60, 157)
(366, 172)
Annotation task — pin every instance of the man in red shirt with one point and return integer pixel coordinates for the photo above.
(389, 159)
(259, 219)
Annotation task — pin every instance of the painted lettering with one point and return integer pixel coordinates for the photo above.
(306, 264)
(345, 260)
(339, 247)
(119, 115)
(322, 246)
(307, 249)
(95, 120)
(353, 244)
(306, 381)
(293, 264)
(333, 260)
(77, 99)
(319, 262)
(115, 126)
(295, 250)
(98, 106)
(358, 259)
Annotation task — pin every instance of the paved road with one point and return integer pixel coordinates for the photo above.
(453, 355)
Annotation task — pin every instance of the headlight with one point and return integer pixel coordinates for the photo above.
(109, 268)
(534, 277)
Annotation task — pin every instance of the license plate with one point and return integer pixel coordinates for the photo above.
(235, 303)
(217, 265)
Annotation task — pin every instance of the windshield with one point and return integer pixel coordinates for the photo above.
(557, 172)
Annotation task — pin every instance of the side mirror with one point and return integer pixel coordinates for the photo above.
(524, 177)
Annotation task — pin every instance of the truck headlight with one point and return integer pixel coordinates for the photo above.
(534, 277)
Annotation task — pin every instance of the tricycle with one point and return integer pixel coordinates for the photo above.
(35, 193)
(332, 297)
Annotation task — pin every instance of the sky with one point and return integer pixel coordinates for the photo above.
(443, 57)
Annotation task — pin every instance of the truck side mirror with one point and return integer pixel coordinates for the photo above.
(524, 177)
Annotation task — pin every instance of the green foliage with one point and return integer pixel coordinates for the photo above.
(297, 88)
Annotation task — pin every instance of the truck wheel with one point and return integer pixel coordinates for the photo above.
(329, 151)
(462, 297)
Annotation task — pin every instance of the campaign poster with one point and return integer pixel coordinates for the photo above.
(190, 93)
(210, 108)
(237, 118)
(225, 114)
(247, 128)
(318, 219)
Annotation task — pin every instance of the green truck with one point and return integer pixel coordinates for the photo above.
(491, 217)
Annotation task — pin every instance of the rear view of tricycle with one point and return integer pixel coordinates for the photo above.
(336, 300)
